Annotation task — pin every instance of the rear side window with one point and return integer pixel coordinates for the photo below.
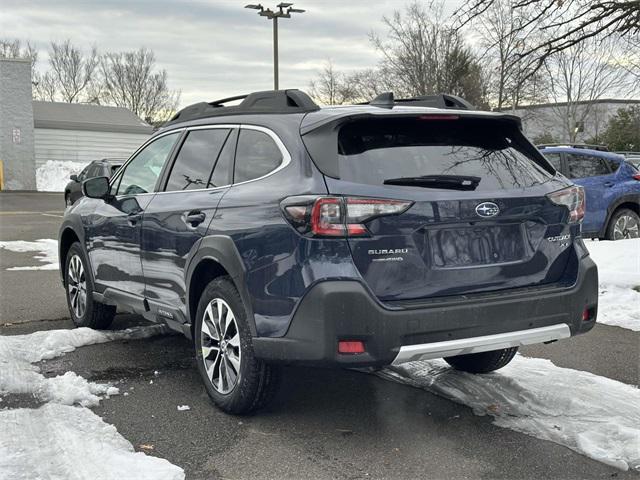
(196, 159)
(583, 166)
(493, 154)
(224, 166)
(256, 155)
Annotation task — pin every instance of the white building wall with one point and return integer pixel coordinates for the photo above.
(83, 146)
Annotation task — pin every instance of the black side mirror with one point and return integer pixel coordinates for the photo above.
(73, 177)
(96, 187)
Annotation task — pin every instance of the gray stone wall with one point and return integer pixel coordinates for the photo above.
(16, 125)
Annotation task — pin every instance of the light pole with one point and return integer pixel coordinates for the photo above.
(284, 11)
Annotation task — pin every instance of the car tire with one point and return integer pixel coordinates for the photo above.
(483, 362)
(624, 223)
(84, 310)
(235, 380)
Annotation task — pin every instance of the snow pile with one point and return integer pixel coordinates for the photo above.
(58, 441)
(18, 354)
(595, 416)
(53, 176)
(47, 249)
(619, 272)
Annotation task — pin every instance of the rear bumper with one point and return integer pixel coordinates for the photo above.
(346, 310)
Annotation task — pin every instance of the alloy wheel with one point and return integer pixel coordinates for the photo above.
(77, 286)
(220, 345)
(626, 227)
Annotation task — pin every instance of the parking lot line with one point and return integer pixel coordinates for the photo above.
(54, 213)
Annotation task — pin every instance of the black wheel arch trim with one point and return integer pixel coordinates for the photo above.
(74, 225)
(222, 250)
(611, 209)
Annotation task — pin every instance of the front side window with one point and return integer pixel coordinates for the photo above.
(554, 159)
(583, 166)
(196, 160)
(95, 170)
(141, 174)
(83, 174)
(256, 155)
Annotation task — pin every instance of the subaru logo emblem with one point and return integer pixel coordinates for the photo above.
(487, 209)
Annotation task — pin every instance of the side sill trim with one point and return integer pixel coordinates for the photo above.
(463, 346)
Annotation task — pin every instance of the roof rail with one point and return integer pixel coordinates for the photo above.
(441, 100)
(602, 148)
(269, 101)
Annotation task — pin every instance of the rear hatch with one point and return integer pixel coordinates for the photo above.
(478, 215)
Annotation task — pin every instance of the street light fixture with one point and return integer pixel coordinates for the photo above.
(284, 10)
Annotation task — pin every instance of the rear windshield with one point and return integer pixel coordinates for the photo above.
(373, 151)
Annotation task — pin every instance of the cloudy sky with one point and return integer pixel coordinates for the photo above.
(210, 49)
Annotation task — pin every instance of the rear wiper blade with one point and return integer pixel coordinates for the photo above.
(449, 182)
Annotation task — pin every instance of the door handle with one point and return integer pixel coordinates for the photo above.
(194, 218)
(608, 184)
(133, 218)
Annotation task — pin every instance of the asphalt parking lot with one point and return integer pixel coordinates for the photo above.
(323, 423)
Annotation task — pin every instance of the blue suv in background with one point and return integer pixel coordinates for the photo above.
(612, 188)
(276, 231)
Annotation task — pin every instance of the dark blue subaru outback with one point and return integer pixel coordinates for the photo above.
(275, 231)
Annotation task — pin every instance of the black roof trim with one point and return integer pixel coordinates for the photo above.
(441, 100)
(269, 101)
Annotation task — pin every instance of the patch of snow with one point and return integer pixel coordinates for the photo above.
(53, 176)
(595, 416)
(618, 272)
(182, 408)
(18, 353)
(46, 248)
(59, 441)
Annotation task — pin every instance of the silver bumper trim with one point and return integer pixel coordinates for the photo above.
(485, 343)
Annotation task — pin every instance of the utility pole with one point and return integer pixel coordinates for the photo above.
(284, 10)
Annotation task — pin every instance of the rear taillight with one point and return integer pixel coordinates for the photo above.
(573, 199)
(338, 216)
(636, 176)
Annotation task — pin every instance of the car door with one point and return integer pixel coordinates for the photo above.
(179, 215)
(594, 174)
(113, 230)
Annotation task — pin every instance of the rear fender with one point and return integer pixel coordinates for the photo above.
(222, 250)
(633, 199)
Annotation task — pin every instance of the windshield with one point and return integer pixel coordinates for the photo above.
(373, 151)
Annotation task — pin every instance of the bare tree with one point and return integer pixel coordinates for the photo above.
(71, 71)
(331, 87)
(15, 49)
(44, 87)
(423, 54)
(513, 79)
(130, 80)
(371, 82)
(568, 22)
(579, 75)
